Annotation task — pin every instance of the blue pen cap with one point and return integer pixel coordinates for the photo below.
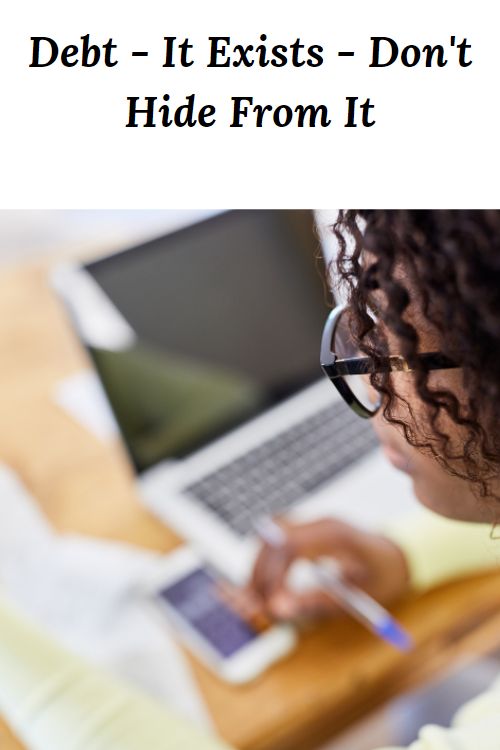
(394, 634)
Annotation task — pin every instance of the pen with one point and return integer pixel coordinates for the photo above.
(352, 599)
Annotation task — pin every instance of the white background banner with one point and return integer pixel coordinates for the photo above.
(434, 141)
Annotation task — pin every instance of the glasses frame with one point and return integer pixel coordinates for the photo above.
(336, 368)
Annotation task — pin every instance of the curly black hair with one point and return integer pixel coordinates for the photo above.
(448, 264)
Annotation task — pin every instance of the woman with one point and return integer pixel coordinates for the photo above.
(419, 282)
(422, 321)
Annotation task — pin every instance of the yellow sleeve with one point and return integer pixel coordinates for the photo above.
(439, 549)
(55, 701)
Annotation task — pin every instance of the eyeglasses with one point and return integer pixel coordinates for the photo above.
(342, 364)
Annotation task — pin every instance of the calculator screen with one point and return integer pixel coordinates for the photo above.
(197, 598)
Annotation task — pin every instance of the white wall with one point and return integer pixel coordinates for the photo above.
(36, 235)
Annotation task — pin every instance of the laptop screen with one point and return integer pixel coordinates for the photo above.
(224, 320)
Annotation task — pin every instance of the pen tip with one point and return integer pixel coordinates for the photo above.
(394, 634)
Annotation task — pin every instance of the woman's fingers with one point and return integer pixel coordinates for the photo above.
(268, 582)
(307, 540)
(367, 560)
(269, 571)
(286, 605)
(245, 603)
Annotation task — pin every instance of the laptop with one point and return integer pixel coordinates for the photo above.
(206, 342)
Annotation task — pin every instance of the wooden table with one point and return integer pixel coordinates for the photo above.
(338, 672)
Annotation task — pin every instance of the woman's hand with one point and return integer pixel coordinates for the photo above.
(370, 561)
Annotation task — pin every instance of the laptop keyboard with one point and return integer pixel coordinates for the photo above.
(271, 478)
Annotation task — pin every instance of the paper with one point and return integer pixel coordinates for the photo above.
(89, 594)
(82, 397)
